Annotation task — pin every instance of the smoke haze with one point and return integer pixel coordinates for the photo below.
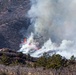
(55, 22)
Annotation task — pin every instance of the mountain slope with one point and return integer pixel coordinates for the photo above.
(12, 20)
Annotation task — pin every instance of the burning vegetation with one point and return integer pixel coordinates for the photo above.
(53, 23)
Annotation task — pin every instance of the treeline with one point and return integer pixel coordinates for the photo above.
(8, 57)
(55, 61)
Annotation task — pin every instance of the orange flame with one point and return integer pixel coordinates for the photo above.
(25, 40)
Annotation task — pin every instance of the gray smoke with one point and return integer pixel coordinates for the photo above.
(54, 20)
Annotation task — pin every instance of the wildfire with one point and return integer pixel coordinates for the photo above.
(30, 44)
(25, 40)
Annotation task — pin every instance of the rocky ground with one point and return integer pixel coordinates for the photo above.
(12, 20)
(18, 70)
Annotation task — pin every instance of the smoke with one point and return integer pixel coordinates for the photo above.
(41, 14)
(54, 20)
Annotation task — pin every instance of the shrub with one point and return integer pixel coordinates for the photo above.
(5, 60)
(54, 61)
(42, 61)
(72, 58)
(3, 73)
(20, 54)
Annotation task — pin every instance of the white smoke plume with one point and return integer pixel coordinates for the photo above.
(53, 23)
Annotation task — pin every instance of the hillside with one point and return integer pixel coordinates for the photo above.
(15, 63)
(12, 20)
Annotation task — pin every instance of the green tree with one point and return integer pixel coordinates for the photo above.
(72, 58)
(55, 61)
(42, 61)
(5, 59)
(45, 55)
